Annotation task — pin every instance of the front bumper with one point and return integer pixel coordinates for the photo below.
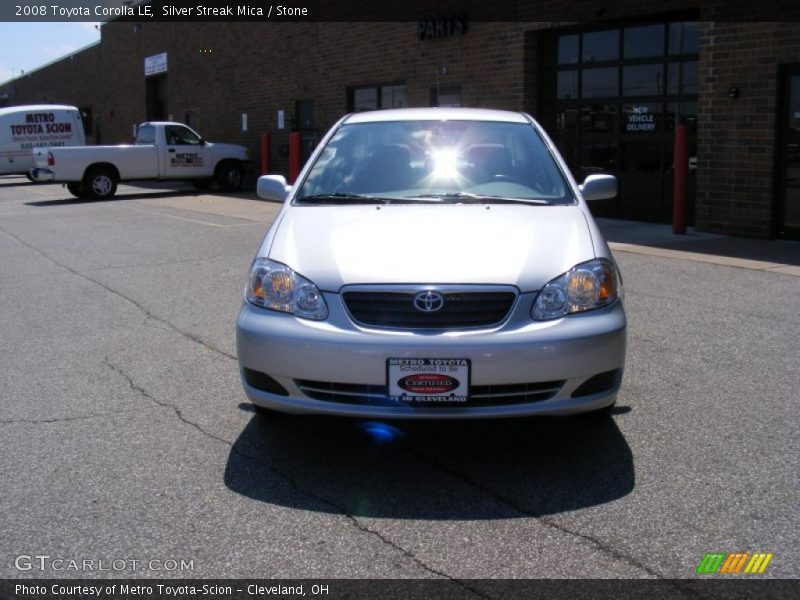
(42, 175)
(571, 349)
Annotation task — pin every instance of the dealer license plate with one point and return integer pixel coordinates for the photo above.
(428, 381)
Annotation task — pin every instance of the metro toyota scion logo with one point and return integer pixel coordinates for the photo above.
(428, 301)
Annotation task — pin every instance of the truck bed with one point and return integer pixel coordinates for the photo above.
(132, 161)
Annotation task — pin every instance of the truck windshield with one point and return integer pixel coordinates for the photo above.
(444, 161)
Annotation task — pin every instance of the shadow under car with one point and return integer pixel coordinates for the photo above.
(492, 469)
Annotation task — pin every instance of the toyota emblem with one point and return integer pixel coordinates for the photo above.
(428, 301)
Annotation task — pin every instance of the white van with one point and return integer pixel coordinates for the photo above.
(23, 128)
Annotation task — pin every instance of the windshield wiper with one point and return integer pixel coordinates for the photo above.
(342, 197)
(346, 197)
(483, 198)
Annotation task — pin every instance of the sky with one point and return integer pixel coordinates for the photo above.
(25, 46)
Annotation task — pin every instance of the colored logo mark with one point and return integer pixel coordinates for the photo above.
(734, 562)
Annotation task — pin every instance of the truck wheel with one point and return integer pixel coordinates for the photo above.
(76, 189)
(100, 183)
(229, 176)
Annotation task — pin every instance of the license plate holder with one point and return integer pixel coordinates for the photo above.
(428, 381)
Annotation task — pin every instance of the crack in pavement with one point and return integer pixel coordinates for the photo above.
(114, 292)
(501, 499)
(293, 483)
(599, 544)
(65, 419)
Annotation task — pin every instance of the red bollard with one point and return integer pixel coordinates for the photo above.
(681, 159)
(266, 143)
(294, 156)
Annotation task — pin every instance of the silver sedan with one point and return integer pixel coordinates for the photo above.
(433, 263)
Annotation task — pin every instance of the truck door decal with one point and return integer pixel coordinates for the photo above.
(186, 160)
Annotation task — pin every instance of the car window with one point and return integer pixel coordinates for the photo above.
(440, 159)
(146, 134)
(181, 136)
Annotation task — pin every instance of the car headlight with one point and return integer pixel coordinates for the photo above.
(586, 286)
(275, 286)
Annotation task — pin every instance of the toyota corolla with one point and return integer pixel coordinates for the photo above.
(433, 263)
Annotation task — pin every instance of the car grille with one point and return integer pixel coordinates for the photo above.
(479, 395)
(461, 309)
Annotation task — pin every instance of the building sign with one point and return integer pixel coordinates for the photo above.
(442, 27)
(639, 118)
(153, 65)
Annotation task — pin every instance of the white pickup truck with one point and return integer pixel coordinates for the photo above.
(163, 150)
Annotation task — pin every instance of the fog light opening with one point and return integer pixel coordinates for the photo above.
(262, 381)
(602, 382)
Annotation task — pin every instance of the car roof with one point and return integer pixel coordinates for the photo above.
(437, 114)
(34, 108)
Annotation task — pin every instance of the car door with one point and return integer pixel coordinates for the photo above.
(186, 154)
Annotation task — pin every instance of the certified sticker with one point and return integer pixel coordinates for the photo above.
(431, 383)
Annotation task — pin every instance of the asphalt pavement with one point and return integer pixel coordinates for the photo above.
(126, 435)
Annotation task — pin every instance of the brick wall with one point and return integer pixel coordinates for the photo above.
(736, 137)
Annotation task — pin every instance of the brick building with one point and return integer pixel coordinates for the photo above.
(609, 89)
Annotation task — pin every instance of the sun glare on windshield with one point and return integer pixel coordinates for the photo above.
(446, 166)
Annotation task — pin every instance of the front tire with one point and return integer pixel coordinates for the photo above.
(229, 176)
(100, 183)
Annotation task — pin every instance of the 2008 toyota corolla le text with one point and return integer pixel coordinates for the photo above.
(433, 263)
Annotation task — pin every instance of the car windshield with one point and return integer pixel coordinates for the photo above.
(435, 161)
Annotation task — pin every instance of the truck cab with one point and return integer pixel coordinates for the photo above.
(182, 152)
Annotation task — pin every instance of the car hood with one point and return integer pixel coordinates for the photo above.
(525, 246)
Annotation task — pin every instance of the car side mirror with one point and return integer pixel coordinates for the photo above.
(598, 187)
(273, 187)
(202, 141)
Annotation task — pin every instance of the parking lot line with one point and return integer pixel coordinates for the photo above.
(161, 214)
